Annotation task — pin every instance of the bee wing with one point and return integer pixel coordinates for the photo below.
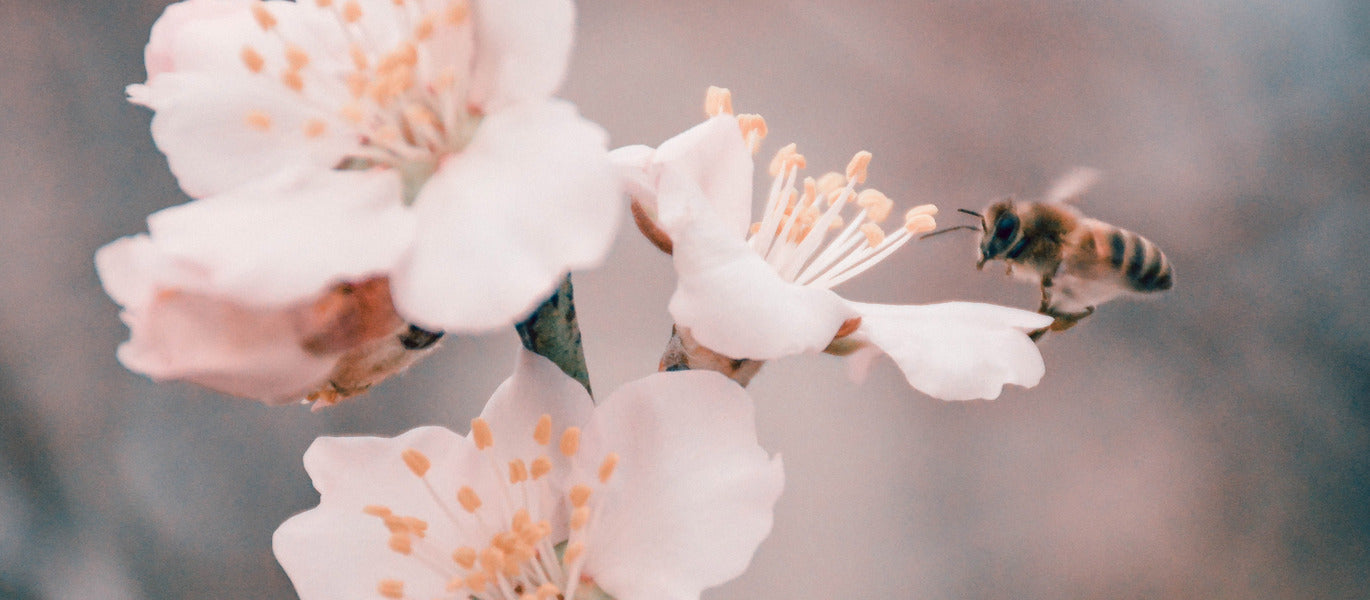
(1069, 187)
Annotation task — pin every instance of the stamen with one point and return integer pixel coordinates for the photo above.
(492, 559)
(606, 468)
(753, 130)
(296, 57)
(919, 223)
(468, 499)
(542, 433)
(323, 3)
(480, 432)
(923, 209)
(252, 59)
(259, 120)
(292, 80)
(351, 12)
(873, 234)
(455, 583)
(416, 461)
(579, 517)
(401, 543)
(579, 495)
(391, 588)
(573, 552)
(518, 471)
(718, 101)
(547, 591)
(264, 18)
(377, 510)
(424, 30)
(314, 128)
(476, 581)
(570, 441)
(464, 556)
(521, 520)
(856, 169)
(786, 157)
(457, 12)
(541, 466)
(359, 59)
(830, 182)
(877, 205)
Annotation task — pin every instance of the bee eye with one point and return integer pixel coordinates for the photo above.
(1005, 225)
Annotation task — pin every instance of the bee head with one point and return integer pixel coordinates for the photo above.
(1002, 232)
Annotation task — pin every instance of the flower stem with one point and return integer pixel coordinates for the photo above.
(684, 353)
(552, 331)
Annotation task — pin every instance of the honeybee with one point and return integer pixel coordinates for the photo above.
(1078, 261)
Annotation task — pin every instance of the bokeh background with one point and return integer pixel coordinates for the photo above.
(1210, 443)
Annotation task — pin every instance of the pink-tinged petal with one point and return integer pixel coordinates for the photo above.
(714, 157)
(129, 268)
(731, 300)
(288, 238)
(531, 198)
(957, 350)
(521, 50)
(693, 494)
(538, 387)
(183, 24)
(337, 552)
(235, 349)
(220, 131)
(635, 168)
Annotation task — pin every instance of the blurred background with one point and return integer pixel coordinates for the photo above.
(1210, 443)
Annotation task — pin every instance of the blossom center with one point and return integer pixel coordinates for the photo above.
(517, 557)
(403, 103)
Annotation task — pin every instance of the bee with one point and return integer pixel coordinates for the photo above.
(1078, 261)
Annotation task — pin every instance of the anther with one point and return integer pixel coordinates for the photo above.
(547, 591)
(874, 236)
(314, 128)
(401, 543)
(324, 3)
(296, 57)
(518, 471)
(377, 510)
(292, 80)
(877, 205)
(919, 223)
(455, 584)
(358, 57)
(416, 526)
(390, 588)
(542, 433)
(424, 29)
(541, 466)
(606, 468)
(252, 59)
(464, 556)
(856, 169)
(831, 182)
(573, 552)
(785, 158)
(263, 16)
(468, 499)
(492, 560)
(352, 12)
(579, 517)
(570, 441)
(480, 432)
(476, 581)
(352, 112)
(259, 120)
(752, 125)
(580, 494)
(922, 209)
(416, 461)
(457, 12)
(718, 101)
(521, 520)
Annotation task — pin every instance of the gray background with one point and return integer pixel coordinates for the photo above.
(1212, 443)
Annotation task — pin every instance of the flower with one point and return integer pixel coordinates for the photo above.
(446, 105)
(182, 291)
(764, 291)
(657, 493)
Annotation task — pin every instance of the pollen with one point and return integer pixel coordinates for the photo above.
(918, 223)
(351, 11)
(874, 236)
(753, 130)
(606, 468)
(468, 499)
(314, 128)
(542, 432)
(480, 432)
(579, 495)
(785, 158)
(492, 559)
(259, 120)
(541, 466)
(856, 169)
(263, 16)
(252, 59)
(416, 461)
(570, 441)
(718, 101)
(464, 556)
(830, 182)
(390, 588)
(877, 205)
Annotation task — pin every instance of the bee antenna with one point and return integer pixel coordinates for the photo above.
(941, 231)
(971, 213)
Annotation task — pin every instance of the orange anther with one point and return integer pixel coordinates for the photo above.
(468, 499)
(606, 468)
(252, 59)
(481, 434)
(580, 494)
(417, 461)
(570, 441)
(390, 588)
(542, 432)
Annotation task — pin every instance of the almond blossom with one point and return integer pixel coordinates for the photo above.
(658, 493)
(762, 290)
(448, 101)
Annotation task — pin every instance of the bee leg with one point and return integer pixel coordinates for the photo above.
(1065, 321)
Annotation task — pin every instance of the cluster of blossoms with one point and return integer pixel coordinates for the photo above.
(367, 175)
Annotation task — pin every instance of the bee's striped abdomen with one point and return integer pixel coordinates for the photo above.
(1141, 262)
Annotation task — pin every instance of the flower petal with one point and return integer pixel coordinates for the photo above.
(185, 25)
(730, 299)
(693, 494)
(957, 350)
(537, 387)
(522, 47)
(336, 552)
(715, 158)
(289, 237)
(532, 197)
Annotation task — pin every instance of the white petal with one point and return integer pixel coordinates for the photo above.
(714, 157)
(202, 125)
(537, 387)
(531, 198)
(957, 350)
(522, 47)
(731, 300)
(635, 168)
(290, 237)
(235, 349)
(692, 495)
(336, 552)
(185, 29)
